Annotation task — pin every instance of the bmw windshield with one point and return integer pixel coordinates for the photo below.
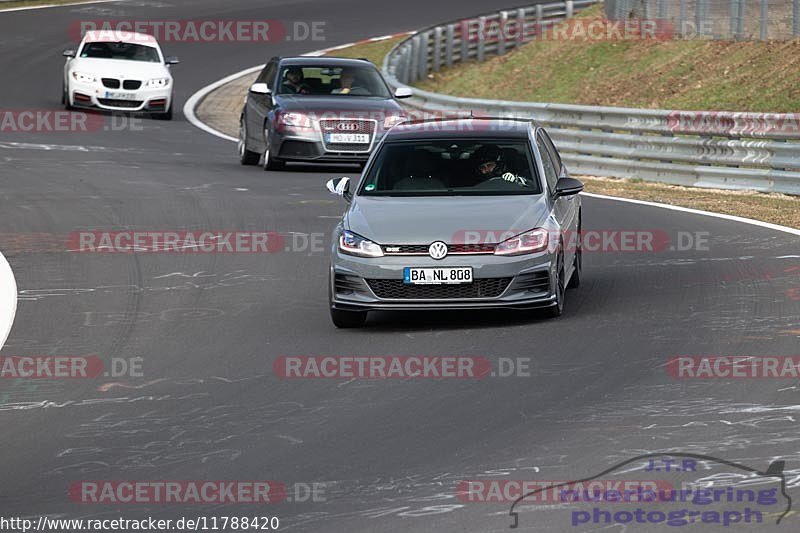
(452, 168)
(120, 50)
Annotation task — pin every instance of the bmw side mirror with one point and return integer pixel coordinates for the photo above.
(260, 88)
(172, 60)
(339, 187)
(68, 53)
(568, 186)
(403, 92)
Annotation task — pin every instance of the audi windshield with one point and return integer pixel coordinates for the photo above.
(447, 167)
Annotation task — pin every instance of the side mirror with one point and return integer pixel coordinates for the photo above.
(339, 187)
(403, 92)
(68, 53)
(260, 88)
(171, 60)
(568, 187)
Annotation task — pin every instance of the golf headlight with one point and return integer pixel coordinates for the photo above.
(525, 243)
(157, 83)
(83, 77)
(392, 120)
(354, 244)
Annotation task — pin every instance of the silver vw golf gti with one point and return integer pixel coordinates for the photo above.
(457, 214)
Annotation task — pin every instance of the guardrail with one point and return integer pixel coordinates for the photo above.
(758, 151)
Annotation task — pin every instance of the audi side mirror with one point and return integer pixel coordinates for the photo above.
(68, 53)
(260, 88)
(403, 92)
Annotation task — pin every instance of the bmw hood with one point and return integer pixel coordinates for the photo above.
(423, 220)
(120, 68)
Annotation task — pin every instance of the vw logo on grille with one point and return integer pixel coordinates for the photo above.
(347, 126)
(438, 250)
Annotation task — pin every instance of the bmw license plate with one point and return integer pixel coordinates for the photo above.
(437, 276)
(348, 138)
(120, 96)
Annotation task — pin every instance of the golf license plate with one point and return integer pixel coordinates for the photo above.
(120, 96)
(437, 276)
(348, 138)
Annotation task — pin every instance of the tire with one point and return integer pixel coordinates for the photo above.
(246, 157)
(65, 97)
(558, 308)
(164, 116)
(575, 280)
(270, 163)
(348, 319)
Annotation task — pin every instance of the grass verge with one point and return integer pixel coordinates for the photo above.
(775, 208)
(668, 74)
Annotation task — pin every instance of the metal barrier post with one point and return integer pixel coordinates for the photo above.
(796, 18)
(481, 52)
(423, 56)
(740, 19)
(448, 45)
(501, 33)
(437, 48)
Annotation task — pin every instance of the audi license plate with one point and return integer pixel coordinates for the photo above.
(120, 96)
(348, 138)
(437, 276)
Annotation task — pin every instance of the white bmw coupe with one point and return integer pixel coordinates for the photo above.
(119, 71)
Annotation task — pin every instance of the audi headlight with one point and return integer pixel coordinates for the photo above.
(354, 244)
(295, 120)
(157, 83)
(392, 120)
(84, 77)
(525, 243)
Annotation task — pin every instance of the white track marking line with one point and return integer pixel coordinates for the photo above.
(768, 225)
(8, 299)
(196, 98)
(45, 6)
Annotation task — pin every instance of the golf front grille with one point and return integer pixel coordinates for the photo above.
(347, 125)
(452, 249)
(395, 289)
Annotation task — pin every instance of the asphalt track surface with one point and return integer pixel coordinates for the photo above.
(208, 326)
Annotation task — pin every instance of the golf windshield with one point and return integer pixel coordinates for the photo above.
(457, 168)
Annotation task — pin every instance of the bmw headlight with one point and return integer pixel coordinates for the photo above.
(157, 83)
(84, 77)
(354, 244)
